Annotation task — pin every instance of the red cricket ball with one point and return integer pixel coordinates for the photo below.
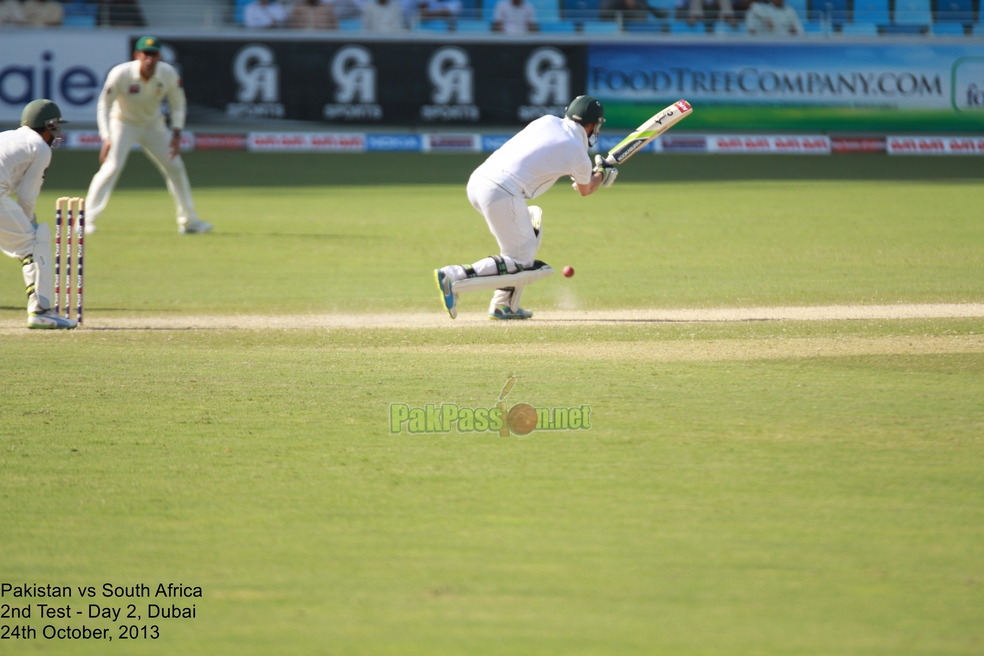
(568, 271)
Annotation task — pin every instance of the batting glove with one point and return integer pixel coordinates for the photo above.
(608, 173)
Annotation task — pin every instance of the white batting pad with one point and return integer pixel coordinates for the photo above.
(498, 282)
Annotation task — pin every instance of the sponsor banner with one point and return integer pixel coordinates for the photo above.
(683, 144)
(936, 145)
(846, 145)
(452, 143)
(494, 142)
(394, 142)
(377, 82)
(90, 140)
(306, 142)
(791, 86)
(750, 144)
(66, 66)
(213, 141)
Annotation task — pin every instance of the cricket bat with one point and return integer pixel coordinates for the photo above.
(648, 131)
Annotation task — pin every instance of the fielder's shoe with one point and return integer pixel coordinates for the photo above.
(503, 312)
(449, 297)
(90, 228)
(50, 320)
(194, 227)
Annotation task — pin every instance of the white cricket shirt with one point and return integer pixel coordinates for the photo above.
(24, 157)
(129, 98)
(532, 161)
(514, 20)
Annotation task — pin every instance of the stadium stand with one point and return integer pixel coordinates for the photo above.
(913, 12)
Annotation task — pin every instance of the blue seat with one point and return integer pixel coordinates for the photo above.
(912, 12)
(78, 14)
(859, 29)
(350, 25)
(903, 29)
(473, 26)
(559, 27)
(978, 30)
(834, 10)
(434, 25)
(722, 28)
(240, 6)
(813, 27)
(871, 11)
(580, 10)
(799, 6)
(599, 27)
(648, 26)
(948, 29)
(956, 11)
(682, 27)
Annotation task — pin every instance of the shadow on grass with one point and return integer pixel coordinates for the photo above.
(74, 169)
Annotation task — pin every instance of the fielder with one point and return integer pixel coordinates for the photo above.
(25, 154)
(525, 167)
(129, 112)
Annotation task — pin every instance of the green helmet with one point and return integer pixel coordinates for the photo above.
(585, 110)
(41, 113)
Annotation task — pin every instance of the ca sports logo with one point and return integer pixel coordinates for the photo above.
(452, 82)
(549, 81)
(354, 75)
(519, 419)
(258, 77)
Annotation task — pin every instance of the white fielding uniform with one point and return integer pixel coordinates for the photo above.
(24, 157)
(523, 168)
(129, 111)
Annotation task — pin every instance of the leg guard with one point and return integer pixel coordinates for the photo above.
(521, 278)
(37, 272)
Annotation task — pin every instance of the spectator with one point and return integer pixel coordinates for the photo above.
(514, 17)
(431, 9)
(382, 16)
(632, 11)
(43, 13)
(695, 11)
(313, 15)
(773, 18)
(121, 13)
(265, 14)
(11, 13)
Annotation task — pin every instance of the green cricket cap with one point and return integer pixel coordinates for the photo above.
(585, 110)
(148, 44)
(39, 113)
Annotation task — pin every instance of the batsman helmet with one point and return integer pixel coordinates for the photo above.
(587, 110)
(43, 113)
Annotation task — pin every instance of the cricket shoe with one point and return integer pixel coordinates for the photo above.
(194, 227)
(503, 312)
(50, 320)
(90, 228)
(449, 297)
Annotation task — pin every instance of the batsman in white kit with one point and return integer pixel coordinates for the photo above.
(522, 169)
(129, 112)
(25, 154)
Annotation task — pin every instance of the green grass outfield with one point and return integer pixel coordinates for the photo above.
(744, 488)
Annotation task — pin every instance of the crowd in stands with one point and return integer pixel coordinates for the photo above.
(55, 13)
(759, 17)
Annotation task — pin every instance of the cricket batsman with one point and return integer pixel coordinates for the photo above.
(525, 167)
(25, 154)
(128, 112)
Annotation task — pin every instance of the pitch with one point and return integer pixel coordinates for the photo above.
(758, 485)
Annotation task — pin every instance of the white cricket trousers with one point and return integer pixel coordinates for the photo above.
(20, 238)
(508, 218)
(155, 139)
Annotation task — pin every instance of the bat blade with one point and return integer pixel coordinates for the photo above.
(648, 131)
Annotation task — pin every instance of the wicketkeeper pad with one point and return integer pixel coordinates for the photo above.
(519, 279)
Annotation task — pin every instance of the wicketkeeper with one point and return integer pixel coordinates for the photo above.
(25, 154)
(129, 112)
(525, 167)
